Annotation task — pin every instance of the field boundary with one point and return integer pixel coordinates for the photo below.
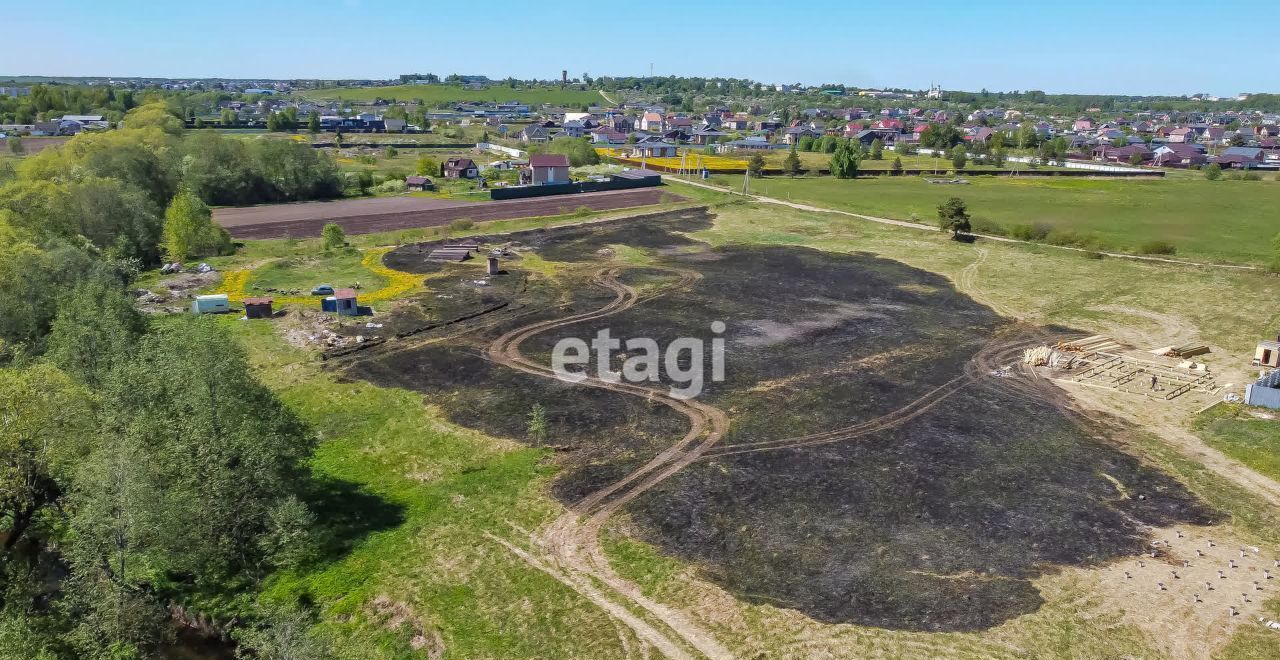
(990, 237)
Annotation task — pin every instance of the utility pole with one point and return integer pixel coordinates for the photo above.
(746, 179)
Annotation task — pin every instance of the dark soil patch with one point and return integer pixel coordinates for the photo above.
(937, 524)
(278, 221)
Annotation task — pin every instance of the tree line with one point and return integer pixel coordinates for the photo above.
(143, 468)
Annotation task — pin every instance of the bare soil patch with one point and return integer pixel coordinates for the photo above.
(365, 216)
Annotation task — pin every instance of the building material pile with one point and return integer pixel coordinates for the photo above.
(1044, 356)
(1093, 344)
(1187, 350)
(450, 253)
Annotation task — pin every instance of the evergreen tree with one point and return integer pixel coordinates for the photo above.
(791, 165)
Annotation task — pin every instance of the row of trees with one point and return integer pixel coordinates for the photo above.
(142, 466)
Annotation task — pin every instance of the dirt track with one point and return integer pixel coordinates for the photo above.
(569, 549)
(364, 216)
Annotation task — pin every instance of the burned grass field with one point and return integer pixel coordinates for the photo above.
(874, 469)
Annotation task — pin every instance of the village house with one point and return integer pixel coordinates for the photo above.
(419, 183)
(651, 121)
(460, 168)
(546, 169)
(574, 128)
(1241, 157)
(795, 133)
(1178, 155)
(535, 133)
(605, 135)
(652, 150)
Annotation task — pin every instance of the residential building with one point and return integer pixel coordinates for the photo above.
(547, 169)
(460, 168)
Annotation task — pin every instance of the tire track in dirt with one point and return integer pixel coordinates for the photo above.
(980, 366)
(571, 543)
(966, 282)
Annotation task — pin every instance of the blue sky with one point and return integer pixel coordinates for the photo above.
(1083, 46)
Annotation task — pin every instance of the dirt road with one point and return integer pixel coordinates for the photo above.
(364, 216)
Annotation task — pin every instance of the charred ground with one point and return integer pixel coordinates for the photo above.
(935, 524)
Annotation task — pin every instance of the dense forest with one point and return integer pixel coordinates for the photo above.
(145, 475)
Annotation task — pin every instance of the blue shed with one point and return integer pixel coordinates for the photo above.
(342, 302)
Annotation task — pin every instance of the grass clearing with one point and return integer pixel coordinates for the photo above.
(1243, 434)
(1232, 221)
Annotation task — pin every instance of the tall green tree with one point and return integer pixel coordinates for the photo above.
(48, 429)
(877, 149)
(791, 164)
(189, 230)
(96, 327)
(845, 160)
(959, 158)
(953, 216)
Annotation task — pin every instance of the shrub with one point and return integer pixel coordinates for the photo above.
(1070, 238)
(332, 236)
(1030, 232)
(1213, 172)
(1157, 247)
(392, 186)
(986, 226)
(461, 224)
(1250, 176)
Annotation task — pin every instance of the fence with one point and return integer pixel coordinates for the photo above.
(499, 149)
(614, 183)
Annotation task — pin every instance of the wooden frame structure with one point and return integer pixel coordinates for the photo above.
(1124, 373)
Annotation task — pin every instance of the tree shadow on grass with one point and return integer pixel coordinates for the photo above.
(346, 514)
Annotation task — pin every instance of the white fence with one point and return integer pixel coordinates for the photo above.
(1068, 164)
(499, 149)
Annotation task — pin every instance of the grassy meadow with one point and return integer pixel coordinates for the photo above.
(1228, 221)
(1251, 439)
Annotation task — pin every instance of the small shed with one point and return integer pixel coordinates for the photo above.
(212, 304)
(419, 183)
(342, 302)
(258, 308)
(1267, 354)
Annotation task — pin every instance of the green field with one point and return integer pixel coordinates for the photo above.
(1254, 441)
(436, 94)
(339, 268)
(1229, 221)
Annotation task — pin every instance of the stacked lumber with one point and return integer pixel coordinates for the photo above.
(1094, 344)
(1188, 350)
(1038, 356)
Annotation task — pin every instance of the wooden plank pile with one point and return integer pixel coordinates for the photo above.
(1094, 344)
(1187, 350)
